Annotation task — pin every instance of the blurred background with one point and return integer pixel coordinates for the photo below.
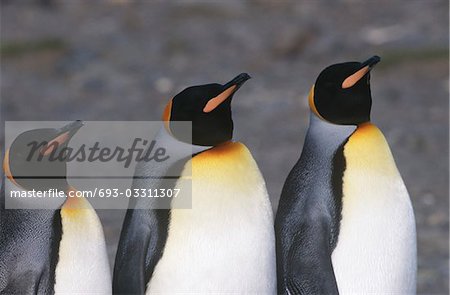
(123, 60)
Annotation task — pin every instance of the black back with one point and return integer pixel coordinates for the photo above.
(307, 221)
(145, 228)
(29, 243)
(29, 238)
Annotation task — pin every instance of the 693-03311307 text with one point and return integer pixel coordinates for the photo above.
(129, 193)
(100, 192)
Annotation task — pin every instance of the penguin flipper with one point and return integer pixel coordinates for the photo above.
(139, 250)
(309, 266)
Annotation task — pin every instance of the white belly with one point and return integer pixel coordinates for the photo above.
(83, 266)
(225, 243)
(376, 248)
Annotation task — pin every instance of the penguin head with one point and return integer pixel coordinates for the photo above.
(208, 107)
(37, 158)
(341, 94)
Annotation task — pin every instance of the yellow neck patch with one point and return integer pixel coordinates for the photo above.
(230, 163)
(367, 149)
(74, 207)
(227, 149)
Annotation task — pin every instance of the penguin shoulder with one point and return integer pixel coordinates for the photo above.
(77, 208)
(367, 148)
(231, 161)
(228, 153)
(229, 149)
(80, 219)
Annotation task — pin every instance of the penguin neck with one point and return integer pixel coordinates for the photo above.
(74, 202)
(365, 125)
(177, 149)
(35, 218)
(327, 137)
(178, 154)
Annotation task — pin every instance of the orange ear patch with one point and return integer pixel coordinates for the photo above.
(167, 111)
(54, 143)
(216, 101)
(312, 105)
(354, 78)
(7, 169)
(166, 115)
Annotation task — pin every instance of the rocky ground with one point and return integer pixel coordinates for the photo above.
(122, 60)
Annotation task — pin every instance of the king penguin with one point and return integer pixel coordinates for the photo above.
(225, 243)
(57, 247)
(345, 223)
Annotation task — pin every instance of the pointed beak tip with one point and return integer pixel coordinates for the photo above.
(241, 79)
(371, 62)
(376, 59)
(76, 124)
(245, 76)
(72, 127)
(238, 81)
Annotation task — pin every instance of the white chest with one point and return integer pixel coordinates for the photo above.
(83, 266)
(376, 248)
(225, 243)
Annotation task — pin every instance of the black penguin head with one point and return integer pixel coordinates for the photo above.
(37, 158)
(341, 94)
(208, 107)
